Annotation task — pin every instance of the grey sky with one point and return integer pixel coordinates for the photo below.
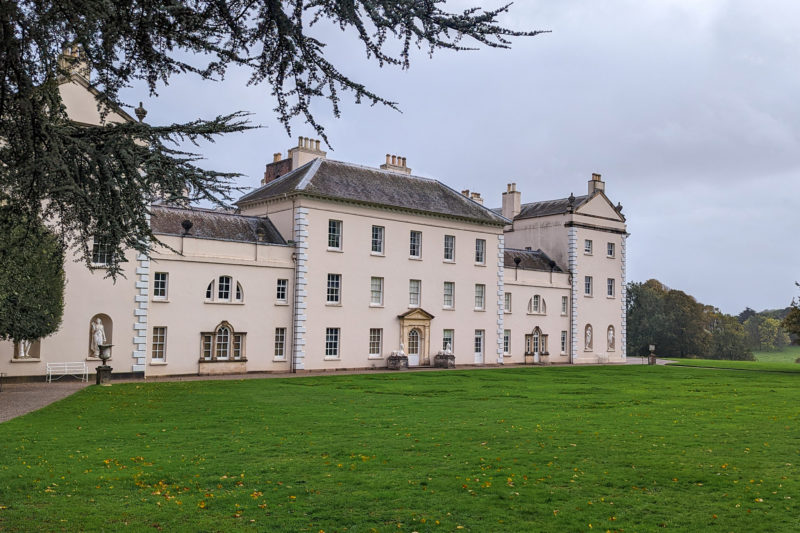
(690, 110)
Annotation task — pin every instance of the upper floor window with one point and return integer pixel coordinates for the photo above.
(377, 239)
(537, 305)
(376, 291)
(281, 290)
(335, 234)
(564, 305)
(414, 292)
(333, 295)
(587, 285)
(587, 246)
(480, 251)
(610, 249)
(160, 285)
(449, 295)
(449, 247)
(415, 244)
(610, 287)
(480, 296)
(507, 302)
(224, 288)
(102, 253)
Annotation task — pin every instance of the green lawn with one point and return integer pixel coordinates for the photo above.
(787, 355)
(738, 365)
(632, 448)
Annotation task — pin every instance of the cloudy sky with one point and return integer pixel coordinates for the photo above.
(689, 109)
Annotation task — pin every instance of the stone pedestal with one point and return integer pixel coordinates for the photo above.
(444, 360)
(104, 375)
(397, 362)
(651, 359)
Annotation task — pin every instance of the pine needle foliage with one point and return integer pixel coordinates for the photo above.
(98, 181)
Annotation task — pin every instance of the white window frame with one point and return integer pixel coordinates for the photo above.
(282, 290)
(480, 251)
(507, 303)
(222, 352)
(610, 288)
(588, 246)
(449, 252)
(224, 285)
(160, 286)
(415, 244)
(506, 342)
(332, 336)
(102, 255)
(414, 293)
(158, 352)
(611, 250)
(480, 297)
(588, 285)
(280, 343)
(563, 342)
(333, 294)
(449, 296)
(375, 343)
(448, 337)
(210, 292)
(334, 234)
(479, 344)
(378, 239)
(375, 291)
(564, 305)
(239, 294)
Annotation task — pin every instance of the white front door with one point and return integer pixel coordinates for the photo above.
(413, 347)
(478, 346)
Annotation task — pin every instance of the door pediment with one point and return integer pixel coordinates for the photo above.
(416, 314)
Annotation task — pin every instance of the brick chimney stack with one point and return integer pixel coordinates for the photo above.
(395, 163)
(512, 202)
(476, 196)
(596, 184)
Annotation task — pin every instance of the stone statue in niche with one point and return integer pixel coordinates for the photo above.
(449, 349)
(588, 337)
(610, 338)
(98, 336)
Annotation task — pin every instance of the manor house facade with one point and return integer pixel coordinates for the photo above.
(331, 265)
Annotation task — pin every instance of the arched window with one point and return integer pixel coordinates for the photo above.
(223, 344)
(611, 338)
(413, 342)
(239, 292)
(537, 340)
(536, 305)
(210, 291)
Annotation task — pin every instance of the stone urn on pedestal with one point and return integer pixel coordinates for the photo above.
(104, 371)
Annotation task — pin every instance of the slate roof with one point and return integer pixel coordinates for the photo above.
(550, 207)
(346, 181)
(529, 260)
(210, 224)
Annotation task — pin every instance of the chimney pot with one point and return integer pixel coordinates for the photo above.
(276, 157)
(394, 160)
(299, 142)
(596, 176)
(316, 145)
(465, 192)
(388, 159)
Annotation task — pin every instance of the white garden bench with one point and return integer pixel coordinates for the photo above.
(77, 369)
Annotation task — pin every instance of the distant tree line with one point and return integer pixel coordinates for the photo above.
(680, 326)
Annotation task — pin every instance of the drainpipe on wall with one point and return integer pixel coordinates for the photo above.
(294, 297)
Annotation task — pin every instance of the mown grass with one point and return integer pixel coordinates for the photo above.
(738, 365)
(788, 355)
(530, 449)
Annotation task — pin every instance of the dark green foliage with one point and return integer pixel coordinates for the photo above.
(98, 181)
(791, 323)
(765, 334)
(31, 278)
(744, 315)
(680, 326)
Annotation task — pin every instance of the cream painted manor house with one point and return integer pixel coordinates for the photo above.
(331, 265)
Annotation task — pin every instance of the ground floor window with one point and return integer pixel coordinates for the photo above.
(280, 343)
(506, 341)
(223, 344)
(332, 342)
(563, 342)
(159, 352)
(447, 339)
(375, 342)
(478, 341)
